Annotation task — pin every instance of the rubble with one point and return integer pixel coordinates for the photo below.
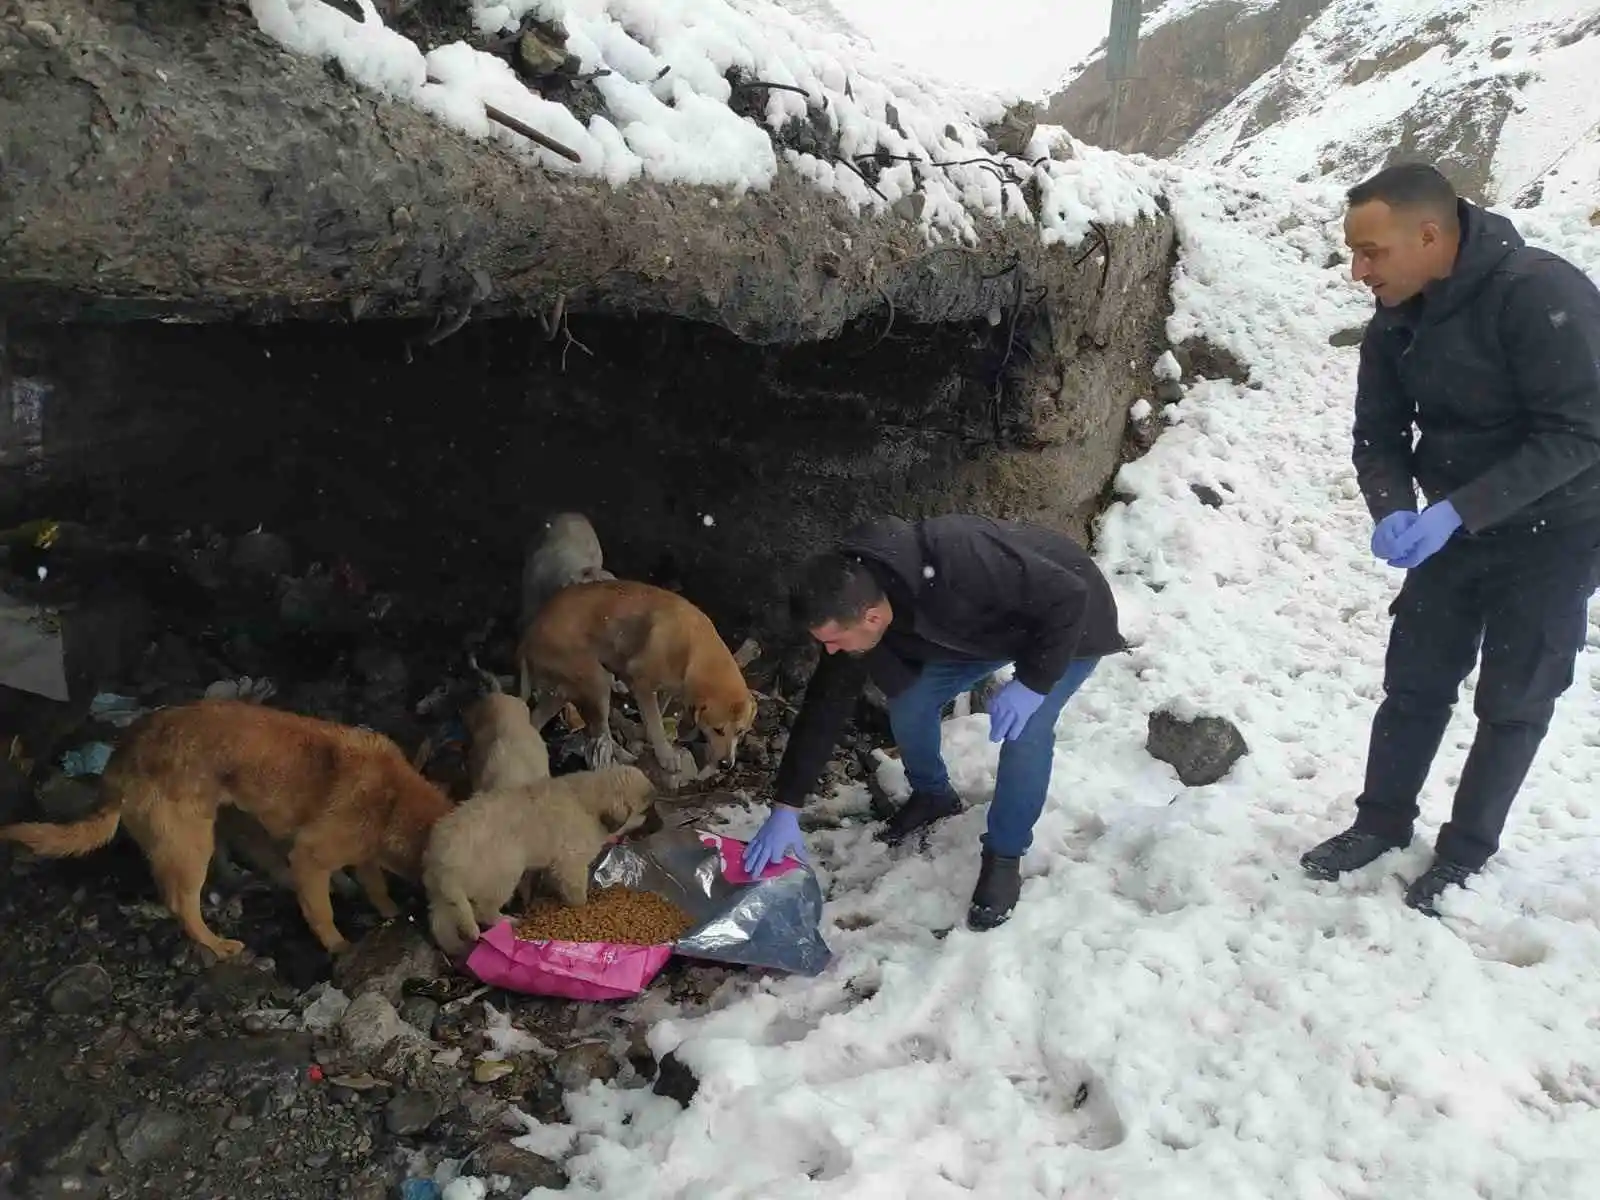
(287, 1073)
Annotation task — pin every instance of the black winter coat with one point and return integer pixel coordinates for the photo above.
(962, 588)
(1498, 367)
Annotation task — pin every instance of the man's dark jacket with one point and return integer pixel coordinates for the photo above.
(1498, 367)
(962, 588)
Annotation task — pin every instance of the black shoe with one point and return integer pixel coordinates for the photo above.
(999, 885)
(1424, 893)
(1347, 851)
(921, 811)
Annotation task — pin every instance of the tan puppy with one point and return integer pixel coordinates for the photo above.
(477, 855)
(504, 749)
(566, 551)
(337, 796)
(652, 639)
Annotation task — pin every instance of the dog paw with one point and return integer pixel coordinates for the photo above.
(602, 753)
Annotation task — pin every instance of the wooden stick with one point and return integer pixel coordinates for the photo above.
(532, 134)
(527, 131)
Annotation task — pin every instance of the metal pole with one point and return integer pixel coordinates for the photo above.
(1122, 49)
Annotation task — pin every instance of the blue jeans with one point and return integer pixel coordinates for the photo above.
(1024, 775)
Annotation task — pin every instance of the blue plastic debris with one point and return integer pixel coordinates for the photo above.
(88, 759)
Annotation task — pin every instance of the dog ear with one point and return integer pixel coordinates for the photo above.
(487, 681)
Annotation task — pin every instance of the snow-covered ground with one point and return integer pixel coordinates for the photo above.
(1544, 53)
(1175, 1011)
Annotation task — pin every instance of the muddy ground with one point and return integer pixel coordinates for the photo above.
(129, 1064)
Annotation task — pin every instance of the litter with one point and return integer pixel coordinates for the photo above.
(32, 650)
(88, 759)
(256, 691)
(114, 709)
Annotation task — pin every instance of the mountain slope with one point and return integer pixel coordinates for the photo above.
(1496, 91)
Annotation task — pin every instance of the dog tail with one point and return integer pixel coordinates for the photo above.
(450, 919)
(66, 841)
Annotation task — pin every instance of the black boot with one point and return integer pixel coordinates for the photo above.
(999, 885)
(919, 812)
(1347, 851)
(1424, 894)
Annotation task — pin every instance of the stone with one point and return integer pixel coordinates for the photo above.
(382, 961)
(419, 1012)
(525, 1169)
(70, 1142)
(576, 1066)
(1344, 338)
(910, 206)
(153, 1133)
(1168, 391)
(1207, 495)
(487, 1070)
(675, 1081)
(1202, 751)
(640, 1057)
(411, 1113)
(370, 1023)
(537, 56)
(1012, 133)
(80, 989)
(544, 1100)
(484, 1110)
(1203, 359)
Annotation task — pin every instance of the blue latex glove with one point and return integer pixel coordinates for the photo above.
(1010, 709)
(1391, 530)
(778, 838)
(1427, 535)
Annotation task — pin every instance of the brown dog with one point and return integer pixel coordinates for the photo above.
(338, 796)
(654, 641)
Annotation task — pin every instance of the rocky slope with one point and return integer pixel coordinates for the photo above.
(1497, 92)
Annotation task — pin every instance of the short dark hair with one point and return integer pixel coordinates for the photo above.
(832, 587)
(1411, 186)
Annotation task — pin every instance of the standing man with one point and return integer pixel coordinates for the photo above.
(928, 610)
(1491, 349)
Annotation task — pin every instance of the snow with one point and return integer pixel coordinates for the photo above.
(1175, 1010)
(1337, 122)
(1022, 46)
(667, 92)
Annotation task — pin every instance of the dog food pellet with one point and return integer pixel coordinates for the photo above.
(614, 914)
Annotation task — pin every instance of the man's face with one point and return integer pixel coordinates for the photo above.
(1395, 253)
(855, 637)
